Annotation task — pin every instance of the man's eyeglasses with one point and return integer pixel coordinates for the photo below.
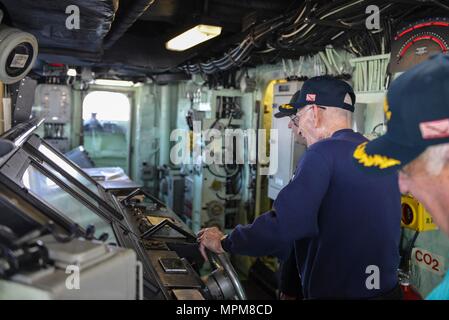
(295, 117)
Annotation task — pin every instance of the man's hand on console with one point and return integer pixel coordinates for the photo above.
(210, 238)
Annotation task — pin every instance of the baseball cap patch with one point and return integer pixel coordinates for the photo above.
(436, 129)
(311, 97)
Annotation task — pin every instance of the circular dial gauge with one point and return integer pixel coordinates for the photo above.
(418, 42)
(419, 47)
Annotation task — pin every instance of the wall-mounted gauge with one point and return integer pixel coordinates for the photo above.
(18, 52)
(417, 42)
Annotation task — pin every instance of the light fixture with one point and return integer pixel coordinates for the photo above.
(108, 82)
(193, 37)
(71, 72)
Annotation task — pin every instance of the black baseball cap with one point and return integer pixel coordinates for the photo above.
(417, 114)
(323, 91)
(289, 108)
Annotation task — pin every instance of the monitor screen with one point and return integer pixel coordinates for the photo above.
(54, 196)
(65, 165)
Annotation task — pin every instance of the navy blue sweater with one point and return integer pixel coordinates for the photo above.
(339, 220)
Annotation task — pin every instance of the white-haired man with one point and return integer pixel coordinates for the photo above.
(344, 228)
(417, 141)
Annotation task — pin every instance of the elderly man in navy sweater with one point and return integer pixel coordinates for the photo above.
(343, 225)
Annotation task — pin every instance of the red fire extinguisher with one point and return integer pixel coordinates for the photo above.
(409, 292)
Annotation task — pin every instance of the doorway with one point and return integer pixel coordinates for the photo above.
(107, 127)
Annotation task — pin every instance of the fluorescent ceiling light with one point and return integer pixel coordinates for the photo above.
(107, 82)
(193, 37)
(71, 72)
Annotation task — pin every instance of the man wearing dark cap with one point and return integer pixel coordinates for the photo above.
(344, 227)
(417, 141)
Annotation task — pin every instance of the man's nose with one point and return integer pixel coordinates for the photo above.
(290, 124)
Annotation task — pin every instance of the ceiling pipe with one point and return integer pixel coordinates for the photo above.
(125, 20)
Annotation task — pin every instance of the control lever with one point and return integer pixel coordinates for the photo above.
(166, 222)
(126, 199)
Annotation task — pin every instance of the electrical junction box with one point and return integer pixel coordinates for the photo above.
(415, 216)
(289, 151)
(53, 103)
